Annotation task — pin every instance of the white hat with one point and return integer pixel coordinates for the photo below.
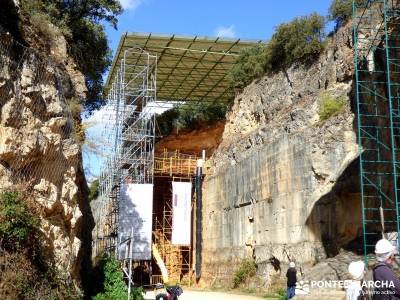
(356, 269)
(383, 246)
(292, 264)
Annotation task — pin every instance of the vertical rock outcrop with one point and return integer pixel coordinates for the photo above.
(40, 154)
(272, 192)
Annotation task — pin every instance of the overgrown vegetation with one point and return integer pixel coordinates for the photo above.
(278, 295)
(341, 11)
(25, 274)
(94, 190)
(246, 270)
(189, 117)
(81, 22)
(114, 286)
(18, 227)
(330, 106)
(301, 39)
(250, 65)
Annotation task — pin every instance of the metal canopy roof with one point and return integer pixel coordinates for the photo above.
(189, 68)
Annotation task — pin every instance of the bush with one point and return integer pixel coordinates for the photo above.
(82, 24)
(246, 270)
(330, 106)
(22, 278)
(341, 11)
(299, 40)
(280, 294)
(190, 117)
(94, 190)
(26, 273)
(18, 227)
(249, 66)
(114, 285)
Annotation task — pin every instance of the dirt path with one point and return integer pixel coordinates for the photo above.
(200, 295)
(194, 295)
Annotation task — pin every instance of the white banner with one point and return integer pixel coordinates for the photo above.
(181, 212)
(136, 216)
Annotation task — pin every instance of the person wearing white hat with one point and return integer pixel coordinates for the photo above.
(387, 284)
(291, 280)
(354, 289)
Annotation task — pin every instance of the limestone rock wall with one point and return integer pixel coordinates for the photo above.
(39, 152)
(273, 190)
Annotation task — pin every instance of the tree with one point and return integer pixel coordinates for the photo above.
(301, 39)
(114, 285)
(297, 40)
(81, 22)
(249, 66)
(341, 11)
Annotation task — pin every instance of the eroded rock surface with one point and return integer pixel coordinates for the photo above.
(38, 149)
(272, 189)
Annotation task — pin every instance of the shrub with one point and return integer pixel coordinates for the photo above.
(18, 226)
(82, 24)
(114, 285)
(280, 294)
(94, 190)
(299, 40)
(249, 66)
(246, 270)
(330, 106)
(22, 278)
(190, 116)
(340, 12)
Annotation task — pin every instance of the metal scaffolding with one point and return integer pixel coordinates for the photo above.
(377, 70)
(128, 140)
(177, 258)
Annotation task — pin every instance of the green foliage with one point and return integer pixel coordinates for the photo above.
(249, 66)
(341, 11)
(18, 226)
(278, 295)
(190, 117)
(26, 273)
(330, 106)
(114, 285)
(94, 190)
(246, 270)
(299, 40)
(81, 22)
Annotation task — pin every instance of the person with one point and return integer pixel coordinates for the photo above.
(291, 280)
(354, 290)
(387, 284)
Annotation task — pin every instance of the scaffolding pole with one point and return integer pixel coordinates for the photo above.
(377, 72)
(128, 143)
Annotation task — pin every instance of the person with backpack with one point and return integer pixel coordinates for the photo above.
(387, 284)
(291, 280)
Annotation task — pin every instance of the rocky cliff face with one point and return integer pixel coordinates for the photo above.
(284, 182)
(39, 152)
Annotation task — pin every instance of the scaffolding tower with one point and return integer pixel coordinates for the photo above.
(128, 140)
(377, 69)
(177, 258)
